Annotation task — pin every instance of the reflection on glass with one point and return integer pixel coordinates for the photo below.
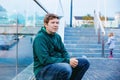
(17, 31)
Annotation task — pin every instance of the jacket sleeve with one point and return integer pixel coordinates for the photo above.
(42, 52)
(109, 41)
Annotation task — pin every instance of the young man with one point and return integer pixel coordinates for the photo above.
(51, 60)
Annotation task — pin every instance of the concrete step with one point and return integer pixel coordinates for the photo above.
(88, 46)
(106, 48)
(90, 50)
(26, 74)
(81, 38)
(79, 34)
(94, 55)
(90, 36)
(80, 28)
(80, 42)
(86, 41)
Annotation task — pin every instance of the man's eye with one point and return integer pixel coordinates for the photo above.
(57, 22)
(53, 22)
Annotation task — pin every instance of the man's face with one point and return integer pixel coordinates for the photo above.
(52, 26)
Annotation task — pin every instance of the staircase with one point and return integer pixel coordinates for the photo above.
(84, 42)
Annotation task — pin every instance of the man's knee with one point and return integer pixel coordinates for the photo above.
(83, 62)
(65, 67)
(65, 70)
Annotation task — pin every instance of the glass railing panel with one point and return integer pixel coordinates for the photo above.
(7, 48)
(17, 30)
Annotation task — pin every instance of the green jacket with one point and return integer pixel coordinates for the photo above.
(48, 49)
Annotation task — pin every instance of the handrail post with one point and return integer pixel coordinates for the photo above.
(103, 55)
(100, 28)
(99, 35)
(71, 7)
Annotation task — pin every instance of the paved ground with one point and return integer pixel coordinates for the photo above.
(103, 69)
(8, 59)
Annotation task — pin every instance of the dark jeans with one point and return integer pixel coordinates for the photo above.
(63, 71)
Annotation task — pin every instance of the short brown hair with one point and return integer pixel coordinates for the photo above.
(49, 16)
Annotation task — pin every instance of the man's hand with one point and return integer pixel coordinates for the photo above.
(73, 62)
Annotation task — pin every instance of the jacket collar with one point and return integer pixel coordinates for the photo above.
(43, 29)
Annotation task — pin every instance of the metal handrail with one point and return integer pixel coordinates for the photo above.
(39, 4)
(99, 27)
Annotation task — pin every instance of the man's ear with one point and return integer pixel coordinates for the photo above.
(45, 24)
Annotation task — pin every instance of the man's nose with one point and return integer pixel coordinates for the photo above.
(56, 24)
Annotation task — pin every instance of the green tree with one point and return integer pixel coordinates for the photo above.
(88, 19)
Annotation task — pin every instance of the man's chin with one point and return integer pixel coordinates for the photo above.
(54, 31)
